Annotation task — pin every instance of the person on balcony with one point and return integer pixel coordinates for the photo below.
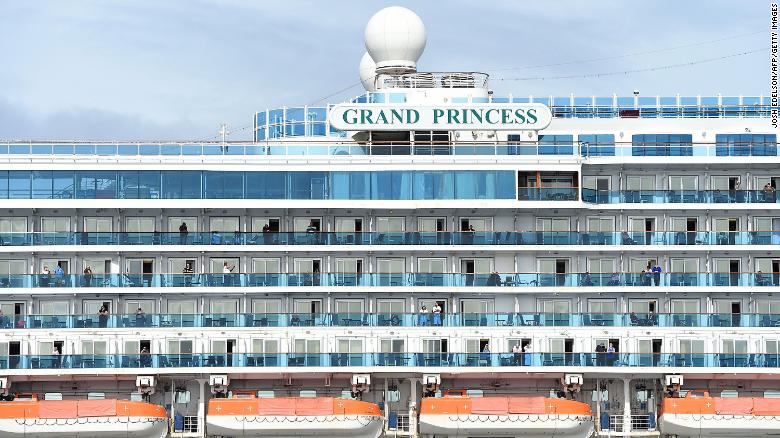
(103, 317)
(615, 279)
(760, 280)
(188, 271)
(656, 270)
(88, 276)
(528, 354)
(227, 272)
(436, 314)
(45, 277)
(517, 354)
(183, 233)
(423, 316)
(586, 279)
(59, 276)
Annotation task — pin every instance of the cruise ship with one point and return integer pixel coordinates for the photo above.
(427, 259)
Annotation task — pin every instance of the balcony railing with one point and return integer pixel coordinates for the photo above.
(497, 319)
(445, 238)
(388, 280)
(275, 360)
(680, 196)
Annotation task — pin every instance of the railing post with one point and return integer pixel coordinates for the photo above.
(626, 407)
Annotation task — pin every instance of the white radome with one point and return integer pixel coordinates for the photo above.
(395, 39)
(367, 72)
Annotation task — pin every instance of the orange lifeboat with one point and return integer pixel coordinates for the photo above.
(28, 417)
(704, 416)
(513, 416)
(249, 416)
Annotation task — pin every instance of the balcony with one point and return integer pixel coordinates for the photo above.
(434, 359)
(493, 319)
(679, 196)
(444, 238)
(347, 279)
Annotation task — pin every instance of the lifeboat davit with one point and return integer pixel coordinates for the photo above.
(704, 416)
(513, 416)
(28, 417)
(245, 415)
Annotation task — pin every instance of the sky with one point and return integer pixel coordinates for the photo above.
(177, 69)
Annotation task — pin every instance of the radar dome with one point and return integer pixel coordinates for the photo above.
(367, 72)
(395, 39)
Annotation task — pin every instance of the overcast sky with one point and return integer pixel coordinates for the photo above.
(176, 69)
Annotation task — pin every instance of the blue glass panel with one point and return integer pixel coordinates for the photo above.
(397, 97)
(96, 185)
(647, 101)
(266, 185)
(668, 101)
(19, 149)
(62, 149)
(261, 118)
(709, 101)
(41, 149)
(62, 184)
(170, 149)
(308, 185)
(295, 115)
(433, 185)
(41, 184)
(85, 149)
(583, 101)
(604, 101)
(350, 185)
(106, 149)
(391, 185)
(556, 144)
(730, 100)
(501, 100)
(149, 149)
(688, 101)
(276, 116)
(181, 184)
(224, 185)
(625, 102)
(128, 149)
(751, 100)
(260, 135)
(518, 99)
(191, 149)
(4, 184)
(597, 145)
(561, 101)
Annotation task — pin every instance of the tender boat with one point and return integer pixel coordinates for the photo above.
(699, 415)
(28, 417)
(458, 415)
(246, 415)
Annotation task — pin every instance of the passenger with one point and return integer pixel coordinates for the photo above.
(103, 317)
(267, 234)
(626, 239)
(45, 277)
(600, 358)
(611, 355)
(528, 355)
(615, 279)
(188, 271)
(2, 319)
(88, 276)
(216, 238)
(183, 233)
(586, 279)
(656, 270)
(436, 314)
(57, 359)
(59, 276)
(648, 276)
(146, 359)
(494, 279)
(140, 318)
(237, 238)
(485, 355)
(517, 355)
(760, 280)
(634, 318)
(227, 272)
(423, 316)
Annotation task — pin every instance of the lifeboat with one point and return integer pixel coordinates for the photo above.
(28, 417)
(514, 416)
(704, 416)
(246, 415)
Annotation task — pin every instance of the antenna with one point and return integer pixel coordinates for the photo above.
(223, 132)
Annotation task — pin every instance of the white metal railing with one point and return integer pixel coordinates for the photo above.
(433, 80)
(639, 422)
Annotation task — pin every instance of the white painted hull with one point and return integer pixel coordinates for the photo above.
(512, 425)
(712, 425)
(353, 426)
(92, 427)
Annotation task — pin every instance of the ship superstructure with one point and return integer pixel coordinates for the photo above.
(427, 259)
